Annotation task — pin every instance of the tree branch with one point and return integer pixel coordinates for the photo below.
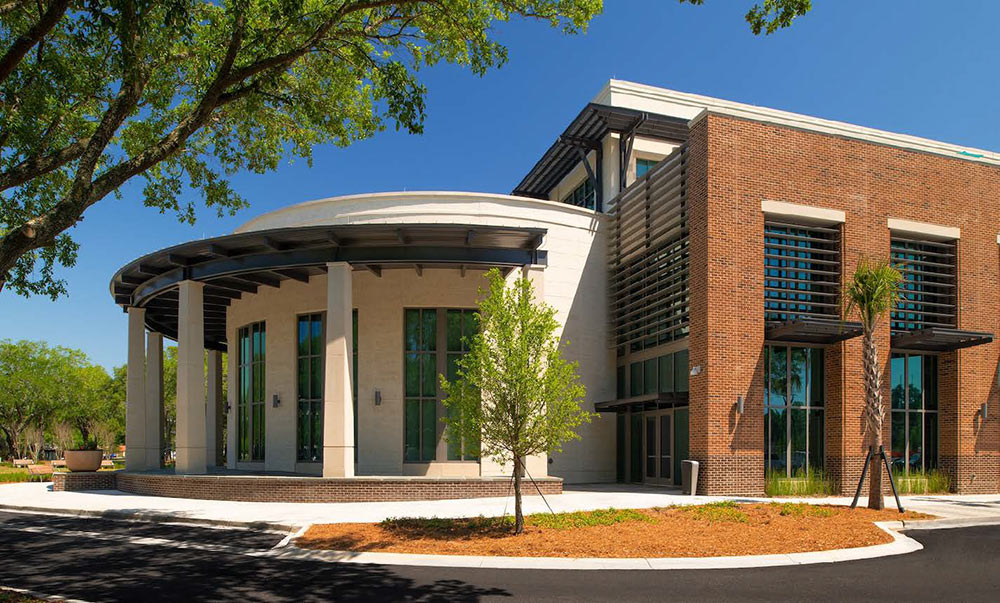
(34, 35)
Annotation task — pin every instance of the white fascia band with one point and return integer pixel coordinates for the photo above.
(925, 230)
(802, 213)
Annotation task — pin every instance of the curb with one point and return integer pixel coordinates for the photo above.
(949, 523)
(900, 545)
(153, 517)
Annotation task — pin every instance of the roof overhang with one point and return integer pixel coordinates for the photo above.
(648, 401)
(586, 132)
(233, 265)
(936, 339)
(813, 330)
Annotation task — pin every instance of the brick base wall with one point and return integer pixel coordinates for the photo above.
(734, 474)
(75, 482)
(973, 474)
(311, 489)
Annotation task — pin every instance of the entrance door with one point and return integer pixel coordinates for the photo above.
(658, 447)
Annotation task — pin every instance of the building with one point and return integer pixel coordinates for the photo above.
(695, 250)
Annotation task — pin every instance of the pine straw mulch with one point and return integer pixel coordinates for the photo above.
(719, 529)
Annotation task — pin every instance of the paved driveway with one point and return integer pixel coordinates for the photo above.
(105, 560)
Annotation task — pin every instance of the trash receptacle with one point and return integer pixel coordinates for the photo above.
(689, 477)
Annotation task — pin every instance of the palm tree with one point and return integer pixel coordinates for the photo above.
(873, 291)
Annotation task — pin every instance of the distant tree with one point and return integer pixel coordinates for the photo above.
(43, 389)
(63, 436)
(872, 292)
(184, 93)
(515, 395)
(27, 400)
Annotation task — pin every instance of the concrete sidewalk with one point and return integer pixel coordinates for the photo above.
(112, 503)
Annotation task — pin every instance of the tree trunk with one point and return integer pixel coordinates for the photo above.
(518, 512)
(874, 413)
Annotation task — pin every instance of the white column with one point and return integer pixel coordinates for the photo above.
(338, 408)
(213, 408)
(154, 400)
(135, 392)
(191, 449)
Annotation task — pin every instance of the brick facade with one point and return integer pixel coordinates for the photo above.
(737, 163)
(296, 489)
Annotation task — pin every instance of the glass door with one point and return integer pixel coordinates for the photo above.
(658, 448)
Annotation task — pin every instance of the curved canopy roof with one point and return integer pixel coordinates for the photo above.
(235, 264)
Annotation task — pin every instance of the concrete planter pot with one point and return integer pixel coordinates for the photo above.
(84, 460)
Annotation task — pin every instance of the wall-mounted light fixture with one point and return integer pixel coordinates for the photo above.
(275, 401)
(696, 370)
(739, 405)
(378, 397)
(982, 411)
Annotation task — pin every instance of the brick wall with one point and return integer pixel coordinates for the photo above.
(75, 482)
(307, 489)
(735, 164)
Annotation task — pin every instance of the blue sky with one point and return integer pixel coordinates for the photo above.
(920, 67)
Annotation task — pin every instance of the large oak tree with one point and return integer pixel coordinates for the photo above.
(183, 93)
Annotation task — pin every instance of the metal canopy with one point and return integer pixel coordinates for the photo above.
(937, 339)
(586, 133)
(241, 263)
(652, 400)
(813, 330)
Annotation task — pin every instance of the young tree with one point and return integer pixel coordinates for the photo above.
(873, 291)
(515, 395)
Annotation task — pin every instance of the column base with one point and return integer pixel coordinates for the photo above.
(191, 461)
(137, 459)
(338, 461)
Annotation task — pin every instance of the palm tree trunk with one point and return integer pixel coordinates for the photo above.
(518, 512)
(874, 413)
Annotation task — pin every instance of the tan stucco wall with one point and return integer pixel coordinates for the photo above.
(574, 282)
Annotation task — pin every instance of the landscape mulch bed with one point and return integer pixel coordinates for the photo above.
(702, 531)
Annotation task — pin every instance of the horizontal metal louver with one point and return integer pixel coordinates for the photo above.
(650, 257)
(929, 284)
(801, 271)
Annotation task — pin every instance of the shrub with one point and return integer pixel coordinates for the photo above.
(789, 509)
(726, 510)
(922, 482)
(800, 484)
(585, 519)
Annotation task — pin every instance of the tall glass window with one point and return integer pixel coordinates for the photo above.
(310, 372)
(420, 384)
(461, 325)
(310, 353)
(793, 407)
(914, 431)
(250, 401)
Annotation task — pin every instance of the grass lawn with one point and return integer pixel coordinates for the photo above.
(13, 475)
(716, 529)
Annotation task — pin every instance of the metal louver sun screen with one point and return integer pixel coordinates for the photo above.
(801, 271)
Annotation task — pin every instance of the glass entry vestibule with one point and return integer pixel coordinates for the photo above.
(656, 442)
